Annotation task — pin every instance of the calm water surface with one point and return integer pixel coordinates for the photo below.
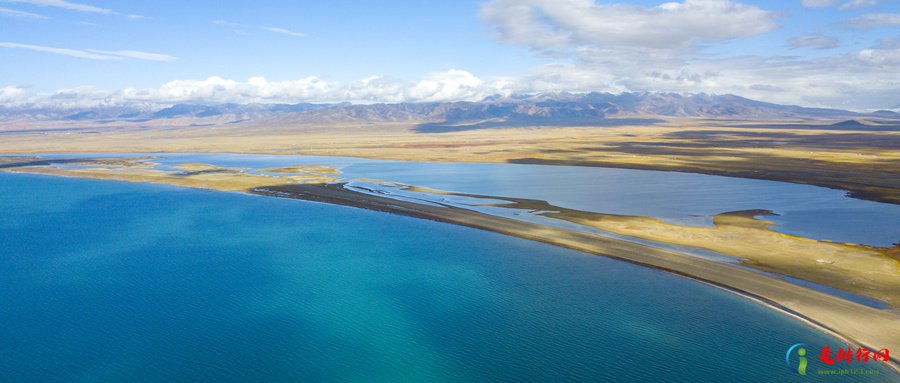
(805, 210)
(104, 281)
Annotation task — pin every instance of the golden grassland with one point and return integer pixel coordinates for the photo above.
(865, 270)
(862, 269)
(866, 163)
(201, 176)
(302, 169)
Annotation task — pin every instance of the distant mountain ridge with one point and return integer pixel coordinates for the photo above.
(538, 109)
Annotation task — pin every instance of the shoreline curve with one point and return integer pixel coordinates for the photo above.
(854, 323)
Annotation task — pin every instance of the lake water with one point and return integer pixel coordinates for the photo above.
(105, 281)
(809, 211)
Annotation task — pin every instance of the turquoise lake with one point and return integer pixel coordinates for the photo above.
(104, 281)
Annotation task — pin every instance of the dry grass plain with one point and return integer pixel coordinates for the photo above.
(865, 163)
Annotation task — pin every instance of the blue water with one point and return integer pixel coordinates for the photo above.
(687, 198)
(104, 281)
(805, 210)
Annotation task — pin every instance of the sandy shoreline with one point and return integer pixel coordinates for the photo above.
(853, 322)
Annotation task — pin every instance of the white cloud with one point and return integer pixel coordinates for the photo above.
(613, 48)
(818, 3)
(854, 4)
(225, 23)
(616, 47)
(67, 5)
(135, 55)
(59, 51)
(862, 80)
(880, 57)
(440, 86)
(451, 85)
(20, 14)
(10, 94)
(285, 31)
(814, 42)
(235, 27)
(63, 4)
(873, 20)
(888, 43)
(92, 54)
(217, 89)
(559, 24)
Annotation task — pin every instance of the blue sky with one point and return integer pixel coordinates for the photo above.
(840, 53)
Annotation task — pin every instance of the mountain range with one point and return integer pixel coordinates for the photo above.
(536, 109)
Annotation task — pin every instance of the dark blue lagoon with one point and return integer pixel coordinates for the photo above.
(104, 281)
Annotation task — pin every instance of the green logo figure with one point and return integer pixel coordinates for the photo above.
(801, 352)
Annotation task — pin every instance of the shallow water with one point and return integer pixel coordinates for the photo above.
(809, 211)
(686, 198)
(104, 281)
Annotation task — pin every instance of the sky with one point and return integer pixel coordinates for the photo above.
(72, 54)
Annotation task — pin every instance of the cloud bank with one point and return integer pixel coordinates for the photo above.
(863, 80)
(588, 46)
(561, 24)
(874, 20)
(440, 86)
(619, 47)
(855, 4)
